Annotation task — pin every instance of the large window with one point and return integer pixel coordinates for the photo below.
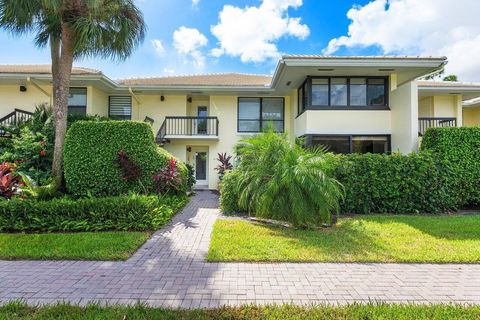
(256, 114)
(120, 107)
(343, 93)
(77, 101)
(351, 143)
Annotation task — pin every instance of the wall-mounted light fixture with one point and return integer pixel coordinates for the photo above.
(23, 88)
(162, 98)
(189, 99)
(189, 149)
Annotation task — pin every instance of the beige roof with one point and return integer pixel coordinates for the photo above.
(41, 69)
(446, 84)
(219, 79)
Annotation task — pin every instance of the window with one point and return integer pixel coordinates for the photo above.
(320, 92)
(256, 114)
(343, 93)
(352, 144)
(77, 101)
(120, 107)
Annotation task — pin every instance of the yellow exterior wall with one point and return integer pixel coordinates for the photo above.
(444, 106)
(471, 116)
(343, 122)
(151, 106)
(425, 107)
(11, 98)
(97, 102)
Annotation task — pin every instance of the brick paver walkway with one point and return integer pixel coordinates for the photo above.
(170, 270)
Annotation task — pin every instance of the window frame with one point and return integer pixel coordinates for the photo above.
(78, 106)
(307, 84)
(260, 120)
(309, 138)
(131, 107)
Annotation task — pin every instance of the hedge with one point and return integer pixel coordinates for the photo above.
(90, 152)
(129, 212)
(375, 183)
(459, 148)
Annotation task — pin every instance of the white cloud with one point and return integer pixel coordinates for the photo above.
(251, 32)
(412, 27)
(158, 45)
(188, 41)
(195, 2)
(168, 71)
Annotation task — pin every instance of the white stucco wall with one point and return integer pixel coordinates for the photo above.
(404, 115)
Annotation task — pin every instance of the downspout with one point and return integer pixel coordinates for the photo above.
(31, 81)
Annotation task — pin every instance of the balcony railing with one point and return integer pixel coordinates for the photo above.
(13, 119)
(186, 127)
(425, 123)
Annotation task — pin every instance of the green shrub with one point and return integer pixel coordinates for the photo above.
(91, 149)
(395, 183)
(229, 194)
(130, 212)
(459, 148)
(281, 180)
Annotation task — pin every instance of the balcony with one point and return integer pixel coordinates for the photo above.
(188, 128)
(430, 122)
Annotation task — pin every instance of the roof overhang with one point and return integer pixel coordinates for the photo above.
(292, 70)
(468, 91)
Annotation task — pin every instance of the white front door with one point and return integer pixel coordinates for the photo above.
(200, 164)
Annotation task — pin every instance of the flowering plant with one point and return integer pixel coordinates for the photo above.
(168, 179)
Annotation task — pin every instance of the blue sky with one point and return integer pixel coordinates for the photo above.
(190, 36)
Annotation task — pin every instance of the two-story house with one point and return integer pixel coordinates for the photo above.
(349, 104)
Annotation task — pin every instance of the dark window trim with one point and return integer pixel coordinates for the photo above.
(78, 106)
(309, 138)
(260, 119)
(310, 106)
(131, 106)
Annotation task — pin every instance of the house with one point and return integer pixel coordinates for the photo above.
(350, 104)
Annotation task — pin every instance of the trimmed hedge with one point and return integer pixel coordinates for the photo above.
(374, 183)
(398, 184)
(90, 152)
(130, 212)
(459, 148)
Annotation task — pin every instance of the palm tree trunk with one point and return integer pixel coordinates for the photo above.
(62, 61)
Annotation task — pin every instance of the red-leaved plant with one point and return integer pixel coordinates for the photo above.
(224, 164)
(10, 182)
(130, 171)
(168, 179)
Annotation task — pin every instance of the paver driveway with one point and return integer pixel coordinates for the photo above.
(170, 270)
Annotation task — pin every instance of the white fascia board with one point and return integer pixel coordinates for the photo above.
(379, 63)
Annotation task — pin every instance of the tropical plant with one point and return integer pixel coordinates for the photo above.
(10, 181)
(451, 77)
(224, 164)
(191, 180)
(169, 179)
(72, 29)
(130, 171)
(281, 180)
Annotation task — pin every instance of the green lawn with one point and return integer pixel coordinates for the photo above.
(17, 310)
(74, 246)
(434, 239)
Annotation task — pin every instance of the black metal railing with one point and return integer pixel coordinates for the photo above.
(13, 119)
(188, 126)
(425, 123)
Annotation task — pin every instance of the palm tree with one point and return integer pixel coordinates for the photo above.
(281, 180)
(74, 29)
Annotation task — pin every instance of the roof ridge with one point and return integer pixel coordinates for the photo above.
(196, 75)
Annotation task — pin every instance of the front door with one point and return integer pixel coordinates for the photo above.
(202, 114)
(200, 164)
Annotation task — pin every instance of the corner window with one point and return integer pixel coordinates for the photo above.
(120, 107)
(77, 101)
(256, 114)
(348, 93)
(343, 144)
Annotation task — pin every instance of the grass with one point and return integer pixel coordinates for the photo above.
(385, 238)
(71, 246)
(18, 310)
